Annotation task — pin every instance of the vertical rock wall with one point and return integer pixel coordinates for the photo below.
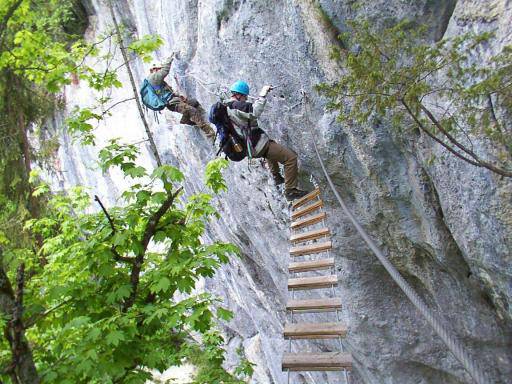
(445, 226)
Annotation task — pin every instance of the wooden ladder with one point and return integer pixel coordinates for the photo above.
(310, 238)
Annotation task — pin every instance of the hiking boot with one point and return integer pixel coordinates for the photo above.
(186, 120)
(278, 179)
(295, 193)
(208, 130)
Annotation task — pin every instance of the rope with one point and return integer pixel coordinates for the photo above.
(453, 344)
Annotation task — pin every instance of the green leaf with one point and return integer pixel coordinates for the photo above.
(94, 333)
(135, 172)
(213, 175)
(162, 285)
(224, 314)
(114, 337)
(168, 173)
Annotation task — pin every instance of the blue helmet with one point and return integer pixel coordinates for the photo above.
(240, 86)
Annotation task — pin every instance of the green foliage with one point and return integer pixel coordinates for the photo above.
(392, 74)
(109, 294)
(36, 56)
(145, 46)
(209, 359)
(79, 124)
(84, 329)
(38, 47)
(123, 156)
(209, 364)
(214, 179)
(245, 368)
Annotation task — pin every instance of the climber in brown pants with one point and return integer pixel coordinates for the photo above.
(276, 154)
(245, 114)
(193, 113)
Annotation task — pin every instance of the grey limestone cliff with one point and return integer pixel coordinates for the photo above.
(446, 226)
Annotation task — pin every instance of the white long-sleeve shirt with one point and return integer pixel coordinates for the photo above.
(156, 79)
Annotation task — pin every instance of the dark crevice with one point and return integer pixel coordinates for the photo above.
(78, 21)
(439, 13)
(229, 7)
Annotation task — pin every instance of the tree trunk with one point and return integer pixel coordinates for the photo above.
(23, 368)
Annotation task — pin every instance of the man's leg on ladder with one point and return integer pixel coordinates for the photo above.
(273, 167)
(277, 153)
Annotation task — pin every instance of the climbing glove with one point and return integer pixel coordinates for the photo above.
(265, 90)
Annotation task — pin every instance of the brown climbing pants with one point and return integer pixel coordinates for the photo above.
(276, 153)
(193, 114)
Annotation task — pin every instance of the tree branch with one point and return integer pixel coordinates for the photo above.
(153, 222)
(111, 222)
(375, 44)
(22, 368)
(480, 162)
(116, 104)
(41, 315)
(424, 129)
(493, 112)
(91, 48)
(116, 254)
(5, 20)
(152, 143)
(439, 126)
(148, 234)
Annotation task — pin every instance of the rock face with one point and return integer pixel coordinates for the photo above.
(446, 226)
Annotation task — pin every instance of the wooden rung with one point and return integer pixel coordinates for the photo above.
(313, 282)
(326, 361)
(314, 331)
(311, 235)
(307, 209)
(310, 249)
(303, 200)
(314, 265)
(314, 305)
(308, 221)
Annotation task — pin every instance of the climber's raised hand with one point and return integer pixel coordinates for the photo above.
(265, 90)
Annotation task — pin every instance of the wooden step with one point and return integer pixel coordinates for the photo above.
(310, 249)
(314, 331)
(303, 200)
(311, 265)
(307, 209)
(310, 235)
(326, 361)
(308, 221)
(313, 282)
(314, 305)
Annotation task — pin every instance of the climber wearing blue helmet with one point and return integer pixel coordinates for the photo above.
(244, 114)
(240, 87)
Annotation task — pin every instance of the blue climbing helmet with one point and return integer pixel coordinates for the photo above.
(240, 86)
